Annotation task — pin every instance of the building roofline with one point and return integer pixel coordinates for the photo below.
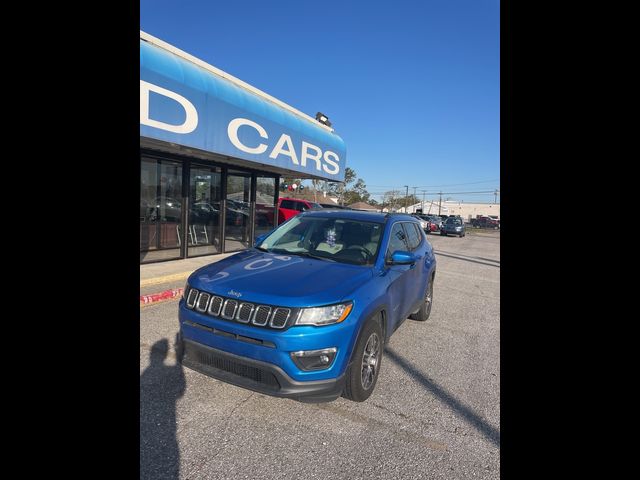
(216, 71)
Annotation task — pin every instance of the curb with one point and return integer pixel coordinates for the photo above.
(158, 297)
(165, 279)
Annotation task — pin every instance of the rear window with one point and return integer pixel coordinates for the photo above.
(413, 237)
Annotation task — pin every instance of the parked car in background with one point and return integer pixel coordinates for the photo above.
(484, 221)
(438, 221)
(453, 226)
(162, 209)
(424, 224)
(290, 207)
(433, 224)
(307, 312)
(203, 213)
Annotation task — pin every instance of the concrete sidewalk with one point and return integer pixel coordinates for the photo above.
(165, 280)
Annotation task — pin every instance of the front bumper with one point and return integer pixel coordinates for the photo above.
(256, 375)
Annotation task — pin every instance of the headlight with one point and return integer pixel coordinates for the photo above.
(324, 315)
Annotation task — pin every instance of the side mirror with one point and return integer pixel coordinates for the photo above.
(259, 239)
(400, 257)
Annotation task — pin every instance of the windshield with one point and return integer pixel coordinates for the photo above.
(453, 221)
(327, 238)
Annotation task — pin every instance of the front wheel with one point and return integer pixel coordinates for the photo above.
(363, 373)
(425, 309)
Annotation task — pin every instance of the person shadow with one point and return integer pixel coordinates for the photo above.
(161, 385)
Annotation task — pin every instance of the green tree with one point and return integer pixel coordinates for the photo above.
(358, 193)
(339, 189)
(390, 200)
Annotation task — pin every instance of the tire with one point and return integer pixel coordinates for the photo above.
(362, 375)
(425, 308)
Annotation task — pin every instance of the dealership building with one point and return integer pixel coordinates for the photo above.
(212, 151)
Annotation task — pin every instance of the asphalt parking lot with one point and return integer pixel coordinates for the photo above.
(435, 412)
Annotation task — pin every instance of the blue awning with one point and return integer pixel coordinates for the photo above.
(186, 104)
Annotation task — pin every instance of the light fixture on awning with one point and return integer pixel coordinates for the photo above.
(322, 118)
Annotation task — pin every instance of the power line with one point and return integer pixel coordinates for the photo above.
(488, 192)
(443, 185)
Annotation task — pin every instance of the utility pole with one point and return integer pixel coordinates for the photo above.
(495, 196)
(406, 195)
(414, 197)
(440, 204)
(423, 192)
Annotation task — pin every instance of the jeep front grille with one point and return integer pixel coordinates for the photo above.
(243, 312)
(203, 301)
(280, 317)
(229, 309)
(262, 315)
(216, 306)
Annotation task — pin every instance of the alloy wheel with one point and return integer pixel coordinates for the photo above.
(370, 359)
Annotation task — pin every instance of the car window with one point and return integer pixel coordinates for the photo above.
(329, 238)
(301, 207)
(287, 204)
(397, 240)
(413, 237)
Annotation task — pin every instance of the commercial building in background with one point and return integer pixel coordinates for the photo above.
(212, 150)
(455, 207)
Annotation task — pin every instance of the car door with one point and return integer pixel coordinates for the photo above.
(418, 273)
(398, 276)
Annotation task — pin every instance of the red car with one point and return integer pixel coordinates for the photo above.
(483, 221)
(290, 207)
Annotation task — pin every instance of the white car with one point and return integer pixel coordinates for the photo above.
(423, 223)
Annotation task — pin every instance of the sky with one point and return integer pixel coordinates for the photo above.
(411, 86)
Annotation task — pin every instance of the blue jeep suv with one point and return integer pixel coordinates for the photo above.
(306, 313)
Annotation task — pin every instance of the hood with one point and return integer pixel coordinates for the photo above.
(276, 279)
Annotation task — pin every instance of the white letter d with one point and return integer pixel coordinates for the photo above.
(190, 122)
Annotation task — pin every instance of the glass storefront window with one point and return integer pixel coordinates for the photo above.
(169, 204)
(148, 194)
(160, 208)
(204, 210)
(237, 225)
(177, 222)
(265, 205)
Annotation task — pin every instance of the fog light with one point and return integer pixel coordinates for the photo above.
(314, 359)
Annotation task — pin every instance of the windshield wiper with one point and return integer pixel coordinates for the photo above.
(311, 255)
(300, 254)
(262, 249)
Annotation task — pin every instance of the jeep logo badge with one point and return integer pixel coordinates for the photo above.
(235, 294)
